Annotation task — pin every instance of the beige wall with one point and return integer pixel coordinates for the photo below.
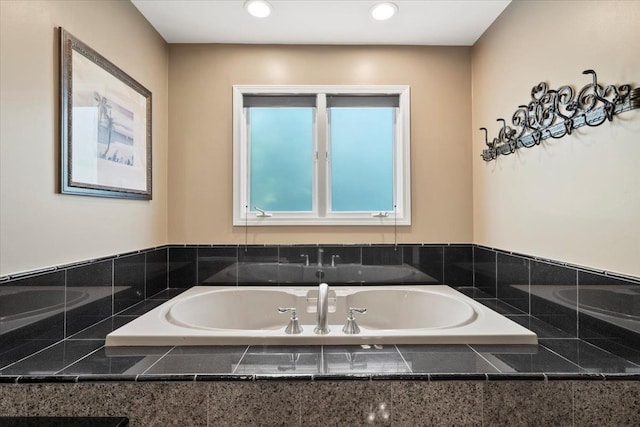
(576, 199)
(38, 226)
(200, 130)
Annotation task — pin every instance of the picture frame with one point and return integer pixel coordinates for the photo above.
(105, 126)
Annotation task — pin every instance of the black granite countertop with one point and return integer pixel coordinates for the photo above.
(83, 357)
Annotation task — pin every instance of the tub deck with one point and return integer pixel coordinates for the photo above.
(224, 315)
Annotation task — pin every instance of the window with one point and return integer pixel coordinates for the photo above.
(314, 155)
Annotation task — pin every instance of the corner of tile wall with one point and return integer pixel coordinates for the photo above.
(61, 301)
(592, 305)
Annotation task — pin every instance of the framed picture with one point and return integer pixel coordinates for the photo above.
(105, 126)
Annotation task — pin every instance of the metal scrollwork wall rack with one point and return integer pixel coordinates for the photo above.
(554, 113)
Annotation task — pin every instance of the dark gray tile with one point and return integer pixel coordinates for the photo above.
(167, 294)
(474, 293)
(525, 359)
(54, 358)
(444, 359)
(527, 403)
(348, 254)
(430, 261)
(258, 254)
(357, 360)
(128, 281)
(89, 295)
(513, 281)
(458, 265)
(299, 254)
(589, 357)
(542, 329)
(484, 270)
(617, 347)
(156, 271)
(25, 303)
(53, 279)
(501, 306)
(183, 267)
(382, 255)
(141, 308)
(198, 360)
(104, 361)
(609, 308)
(554, 295)
(212, 261)
(281, 359)
(451, 403)
(100, 330)
(32, 315)
(20, 349)
(265, 255)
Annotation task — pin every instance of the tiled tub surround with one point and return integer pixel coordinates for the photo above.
(461, 385)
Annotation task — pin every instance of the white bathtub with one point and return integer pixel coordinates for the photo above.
(218, 315)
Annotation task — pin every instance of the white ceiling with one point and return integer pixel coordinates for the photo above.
(418, 22)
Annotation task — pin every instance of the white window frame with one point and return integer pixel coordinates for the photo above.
(242, 214)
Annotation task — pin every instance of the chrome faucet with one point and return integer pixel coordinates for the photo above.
(320, 252)
(322, 321)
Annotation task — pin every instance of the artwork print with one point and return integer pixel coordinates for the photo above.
(106, 126)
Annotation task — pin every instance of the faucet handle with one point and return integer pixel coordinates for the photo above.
(351, 327)
(293, 327)
(306, 258)
(333, 260)
(292, 310)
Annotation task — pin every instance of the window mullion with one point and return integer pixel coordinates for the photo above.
(321, 155)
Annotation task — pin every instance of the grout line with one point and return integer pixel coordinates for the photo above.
(77, 360)
(240, 361)
(64, 317)
(403, 359)
(577, 304)
(495, 273)
(113, 288)
(167, 269)
(444, 279)
(154, 363)
(32, 354)
(561, 356)
(473, 267)
(144, 285)
(197, 266)
(484, 358)
(529, 287)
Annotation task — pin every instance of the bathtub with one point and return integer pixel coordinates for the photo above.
(224, 315)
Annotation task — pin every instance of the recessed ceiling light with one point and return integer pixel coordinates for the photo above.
(258, 8)
(383, 11)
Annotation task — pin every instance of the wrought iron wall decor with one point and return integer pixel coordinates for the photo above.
(554, 113)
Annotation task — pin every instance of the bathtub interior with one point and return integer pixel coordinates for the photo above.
(212, 315)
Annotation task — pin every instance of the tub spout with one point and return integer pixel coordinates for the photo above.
(322, 322)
